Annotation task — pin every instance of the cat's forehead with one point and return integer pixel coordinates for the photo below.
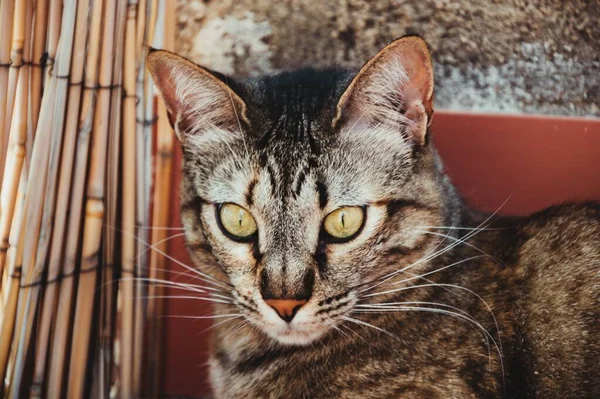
(293, 107)
(291, 149)
(290, 129)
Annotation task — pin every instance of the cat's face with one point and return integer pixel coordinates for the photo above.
(307, 187)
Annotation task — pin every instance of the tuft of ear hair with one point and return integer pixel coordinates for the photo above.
(394, 89)
(196, 100)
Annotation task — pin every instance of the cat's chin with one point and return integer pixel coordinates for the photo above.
(296, 337)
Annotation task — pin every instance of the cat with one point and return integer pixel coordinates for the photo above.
(344, 263)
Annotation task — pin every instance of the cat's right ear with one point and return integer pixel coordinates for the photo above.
(196, 100)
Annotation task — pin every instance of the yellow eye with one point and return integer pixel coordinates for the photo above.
(345, 222)
(236, 221)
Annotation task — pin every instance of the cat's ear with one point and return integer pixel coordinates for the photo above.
(395, 88)
(196, 100)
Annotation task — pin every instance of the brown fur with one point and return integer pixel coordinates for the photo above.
(428, 300)
(541, 280)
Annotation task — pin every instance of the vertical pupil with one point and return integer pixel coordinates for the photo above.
(240, 217)
(342, 219)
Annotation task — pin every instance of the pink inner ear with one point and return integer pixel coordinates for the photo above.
(394, 87)
(161, 67)
(411, 57)
(420, 79)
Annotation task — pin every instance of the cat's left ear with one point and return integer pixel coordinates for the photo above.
(394, 89)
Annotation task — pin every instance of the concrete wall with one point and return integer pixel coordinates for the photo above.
(514, 56)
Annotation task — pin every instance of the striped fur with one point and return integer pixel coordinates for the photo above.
(430, 300)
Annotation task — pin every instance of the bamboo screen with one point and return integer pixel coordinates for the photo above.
(85, 160)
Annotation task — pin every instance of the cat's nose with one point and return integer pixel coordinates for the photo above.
(286, 308)
(285, 295)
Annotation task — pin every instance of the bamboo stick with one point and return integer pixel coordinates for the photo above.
(152, 25)
(144, 127)
(128, 206)
(54, 26)
(94, 217)
(11, 291)
(162, 189)
(143, 157)
(18, 132)
(3, 283)
(57, 229)
(6, 27)
(37, 58)
(141, 29)
(53, 289)
(16, 57)
(40, 198)
(112, 236)
(69, 257)
(17, 138)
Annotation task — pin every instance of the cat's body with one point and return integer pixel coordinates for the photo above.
(317, 207)
(541, 280)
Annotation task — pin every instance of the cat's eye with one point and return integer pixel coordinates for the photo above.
(344, 223)
(236, 221)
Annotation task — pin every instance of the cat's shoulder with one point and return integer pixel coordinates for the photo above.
(565, 222)
(558, 274)
(562, 237)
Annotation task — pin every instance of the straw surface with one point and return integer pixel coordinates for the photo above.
(37, 65)
(104, 370)
(6, 25)
(39, 201)
(94, 214)
(51, 292)
(128, 202)
(67, 256)
(76, 172)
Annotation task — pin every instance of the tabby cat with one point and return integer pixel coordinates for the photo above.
(341, 259)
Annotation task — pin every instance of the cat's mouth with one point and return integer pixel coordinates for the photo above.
(303, 329)
(296, 334)
(310, 323)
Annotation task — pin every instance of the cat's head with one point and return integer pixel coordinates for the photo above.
(307, 187)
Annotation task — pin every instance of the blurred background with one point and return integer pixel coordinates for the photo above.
(534, 63)
(532, 56)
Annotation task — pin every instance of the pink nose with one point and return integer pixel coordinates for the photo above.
(286, 308)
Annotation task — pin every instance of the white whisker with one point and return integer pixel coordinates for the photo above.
(352, 331)
(444, 312)
(364, 323)
(160, 242)
(332, 324)
(466, 243)
(235, 329)
(460, 228)
(444, 250)
(389, 276)
(211, 280)
(394, 305)
(219, 299)
(439, 269)
(194, 287)
(219, 323)
(159, 228)
(176, 316)
(184, 273)
(432, 284)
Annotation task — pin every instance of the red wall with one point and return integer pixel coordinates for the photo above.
(533, 161)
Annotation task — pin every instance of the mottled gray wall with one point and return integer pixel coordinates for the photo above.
(537, 56)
